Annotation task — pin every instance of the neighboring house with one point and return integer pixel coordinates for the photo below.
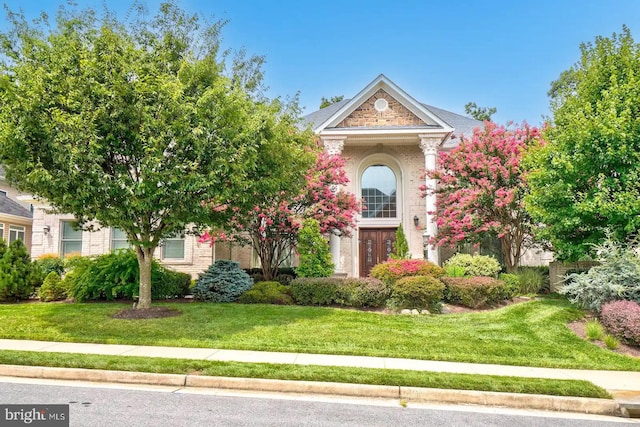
(389, 139)
(15, 217)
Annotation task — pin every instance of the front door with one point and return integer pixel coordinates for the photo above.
(376, 244)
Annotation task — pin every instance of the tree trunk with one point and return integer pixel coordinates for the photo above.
(145, 259)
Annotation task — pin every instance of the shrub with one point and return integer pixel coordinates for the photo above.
(473, 292)
(453, 271)
(394, 269)
(511, 285)
(616, 277)
(400, 246)
(45, 264)
(116, 275)
(52, 289)
(369, 292)
(475, 265)
(224, 281)
(315, 258)
(267, 293)
(417, 292)
(622, 319)
(315, 290)
(17, 278)
(532, 280)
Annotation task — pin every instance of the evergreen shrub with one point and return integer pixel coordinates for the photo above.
(315, 258)
(52, 289)
(474, 292)
(417, 292)
(315, 290)
(366, 292)
(267, 293)
(17, 273)
(475, 265)
(224, 281)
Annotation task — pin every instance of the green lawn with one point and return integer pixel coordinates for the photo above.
(309, 373)
(527, 334)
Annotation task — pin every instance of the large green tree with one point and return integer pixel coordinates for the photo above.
(135, 125)
(585, 182)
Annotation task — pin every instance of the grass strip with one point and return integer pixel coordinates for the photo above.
(576, 388)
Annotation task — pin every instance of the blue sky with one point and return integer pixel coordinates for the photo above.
(444, 53)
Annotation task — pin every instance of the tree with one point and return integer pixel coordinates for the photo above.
(585, 183)
(272, 226)
(324, 102)
(401, 246)
(481, 190)
(315, 258)
(131, 126)
(479, 113)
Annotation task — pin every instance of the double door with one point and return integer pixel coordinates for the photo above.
(376, 244)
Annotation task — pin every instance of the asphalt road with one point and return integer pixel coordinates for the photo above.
(114, 406)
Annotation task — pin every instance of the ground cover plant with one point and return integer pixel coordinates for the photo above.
(309, 373)
(527, 334)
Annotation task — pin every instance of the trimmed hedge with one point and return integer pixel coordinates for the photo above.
(622, 319)
(350, 292)
(475, 292)
(417, 292)
(475, 265)
(267, 293)
(392, 270)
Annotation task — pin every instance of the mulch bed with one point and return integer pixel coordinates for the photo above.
(580, 329)
(146, 313)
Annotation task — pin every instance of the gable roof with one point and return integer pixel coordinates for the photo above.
(11, 207)
(432, 117)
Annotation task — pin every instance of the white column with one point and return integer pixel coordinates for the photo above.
(429, 146)
(333, 145)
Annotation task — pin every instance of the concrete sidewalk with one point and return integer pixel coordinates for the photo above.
(623, 385)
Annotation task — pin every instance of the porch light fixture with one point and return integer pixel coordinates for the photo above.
(416, 220)
(46, 230)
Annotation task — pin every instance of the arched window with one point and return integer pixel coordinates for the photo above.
(379, 188)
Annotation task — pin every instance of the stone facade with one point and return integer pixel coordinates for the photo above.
(395, 114)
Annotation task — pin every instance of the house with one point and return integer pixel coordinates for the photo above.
(388, 137)
(15, 217)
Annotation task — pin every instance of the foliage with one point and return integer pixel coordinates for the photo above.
(417, 292)
(616, 277)
(315, 290)
(267, 293)
(479, 113)
(45, 264)
(17, 276)
(393, 269)
(133, 124)
(325, 102)
(622, 319)
(512, 284)
(115, 276)
(481, 190)
(475, 265)
(400, 246)
(52, 289)
(586, 180)
(594, 330)
(611, 342)
(306, 190)
(315, 258)
(368, 292)
(453, 270)
(474, 292)
(532, 279)
(224, 281)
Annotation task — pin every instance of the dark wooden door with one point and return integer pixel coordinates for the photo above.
(376, 244)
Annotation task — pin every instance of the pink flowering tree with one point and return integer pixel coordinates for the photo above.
(481, 190)
(271, 227)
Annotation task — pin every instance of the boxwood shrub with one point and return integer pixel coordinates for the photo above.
(315, 290)
(267, 293)
(474, 292)
(418, 292)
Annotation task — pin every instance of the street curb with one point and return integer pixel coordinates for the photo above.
(409, 394)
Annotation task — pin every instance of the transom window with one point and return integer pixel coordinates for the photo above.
(379, 188)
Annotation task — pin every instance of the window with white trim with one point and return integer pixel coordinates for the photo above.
(16, 232)
(119, 239)
(1, 231)
(173, 248)
(70, 239)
